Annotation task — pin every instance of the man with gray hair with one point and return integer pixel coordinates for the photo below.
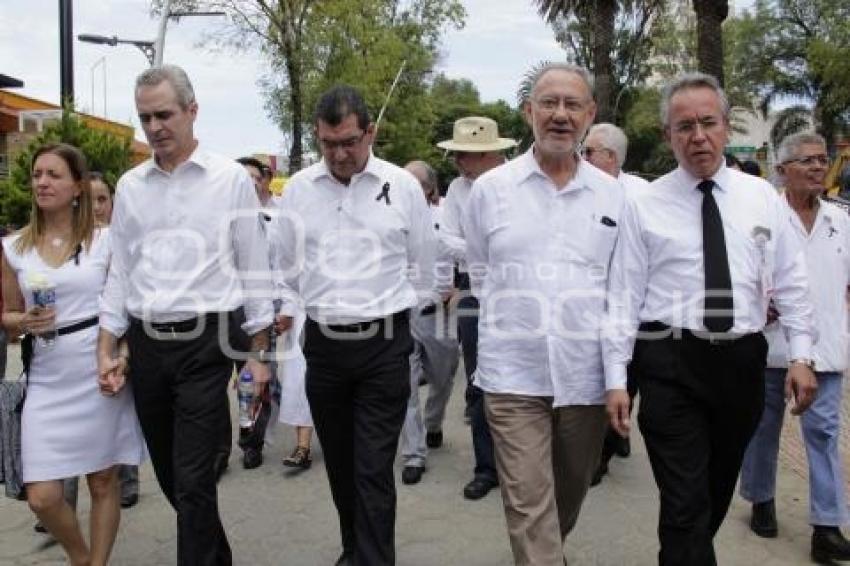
(823, 231)
(700, 255)
(435, 354)
(605, 148)
(540, 231)
(189, 256)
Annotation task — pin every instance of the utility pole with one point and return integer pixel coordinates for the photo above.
(66, 52)
(159, 45)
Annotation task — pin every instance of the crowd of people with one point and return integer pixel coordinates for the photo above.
(567, 287)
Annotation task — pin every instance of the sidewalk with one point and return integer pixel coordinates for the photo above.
(275, 518)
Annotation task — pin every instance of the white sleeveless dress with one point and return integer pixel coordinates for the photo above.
(68, 428)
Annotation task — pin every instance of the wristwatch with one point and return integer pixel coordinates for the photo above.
(804, 361)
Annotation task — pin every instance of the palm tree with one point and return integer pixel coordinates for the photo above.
(603, 14)
(710, 16)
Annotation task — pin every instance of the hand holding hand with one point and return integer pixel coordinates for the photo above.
(282, 323)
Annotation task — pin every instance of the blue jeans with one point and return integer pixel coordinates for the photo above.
(821, 425)
(482, 442)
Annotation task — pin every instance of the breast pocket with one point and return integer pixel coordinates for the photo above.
(600, 244)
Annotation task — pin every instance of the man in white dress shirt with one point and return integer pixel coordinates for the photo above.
(701, 252)
(823, 231)
(605, 148)
(540, 231)
(188, 251)
(358, 250)
(476, 148)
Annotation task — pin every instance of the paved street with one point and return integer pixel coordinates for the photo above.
(276, 518)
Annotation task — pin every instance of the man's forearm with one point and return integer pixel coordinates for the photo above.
(106, 344)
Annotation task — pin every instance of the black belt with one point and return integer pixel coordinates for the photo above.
(26, 341)
(712, 338)
(180, 326)
(367, 325)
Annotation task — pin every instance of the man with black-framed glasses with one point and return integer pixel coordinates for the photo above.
(357, 250)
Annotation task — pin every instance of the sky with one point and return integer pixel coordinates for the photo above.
(500, 41)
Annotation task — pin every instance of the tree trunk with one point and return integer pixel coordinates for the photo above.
(296, 102)
(604, 20)
(710, 16)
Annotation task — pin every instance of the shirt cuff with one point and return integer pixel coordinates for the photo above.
(114, 324)
(800, 346)
(615, 376)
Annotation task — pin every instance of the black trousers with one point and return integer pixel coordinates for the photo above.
(700, 405)
(178, 387)
(358, 386)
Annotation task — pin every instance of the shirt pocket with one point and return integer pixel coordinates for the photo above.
(600, 245)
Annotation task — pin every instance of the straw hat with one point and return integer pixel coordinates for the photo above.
(476, 133)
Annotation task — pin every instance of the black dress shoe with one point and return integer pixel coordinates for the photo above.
(412, 474)
(434, 439)
(252, 458)
(763, 520)
(624, 447)
(128, 500)
(344, 560)
(478, 488)
(828, 544)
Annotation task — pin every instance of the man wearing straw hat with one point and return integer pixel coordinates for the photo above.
(476, 148)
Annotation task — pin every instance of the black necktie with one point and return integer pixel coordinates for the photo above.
(718, 282)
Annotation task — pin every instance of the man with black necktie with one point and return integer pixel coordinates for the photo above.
(357, 249)
(701, 252)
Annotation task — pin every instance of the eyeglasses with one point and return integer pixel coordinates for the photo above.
(810, 160)
(688, 127)
(588, 151)
(550, 104)
(346, 144)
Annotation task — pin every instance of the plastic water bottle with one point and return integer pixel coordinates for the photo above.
(43, 295)
(245, 396)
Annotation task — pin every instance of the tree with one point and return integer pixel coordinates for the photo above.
(600, 17)
(312, 44)
(628, 39)
(792, 56)
(710, 16)
(104, 152)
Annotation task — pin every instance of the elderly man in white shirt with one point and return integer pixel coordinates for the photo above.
(358, 249)
(701, 252)
(605, 148)
(188, 252)
(823, 231)
(540, 231)
(476, 148)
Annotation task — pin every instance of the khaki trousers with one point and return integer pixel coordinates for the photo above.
(545, 457)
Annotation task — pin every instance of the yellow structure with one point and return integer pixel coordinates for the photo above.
(16, 130)
(842, 160)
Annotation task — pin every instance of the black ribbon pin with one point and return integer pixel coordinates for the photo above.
(385, 193)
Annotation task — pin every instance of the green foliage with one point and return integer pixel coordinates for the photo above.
(795, 53)
(104, 152)
(648, 154)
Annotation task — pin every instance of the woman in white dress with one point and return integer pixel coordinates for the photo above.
(294, 409)
(68, 427)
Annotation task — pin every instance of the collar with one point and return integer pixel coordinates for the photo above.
(199, 157)
(529, 167)
(373, 168)
(722, 178)
(823, 217)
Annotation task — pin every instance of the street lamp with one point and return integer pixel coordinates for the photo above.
(146, 47)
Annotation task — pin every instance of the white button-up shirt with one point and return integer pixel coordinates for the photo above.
(658, 275)
(630, 181)
(538, 262)
(350, 256)
(451, 228)
(185, 243)
(827, 252)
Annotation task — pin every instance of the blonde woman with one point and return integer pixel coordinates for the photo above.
(69, 427)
